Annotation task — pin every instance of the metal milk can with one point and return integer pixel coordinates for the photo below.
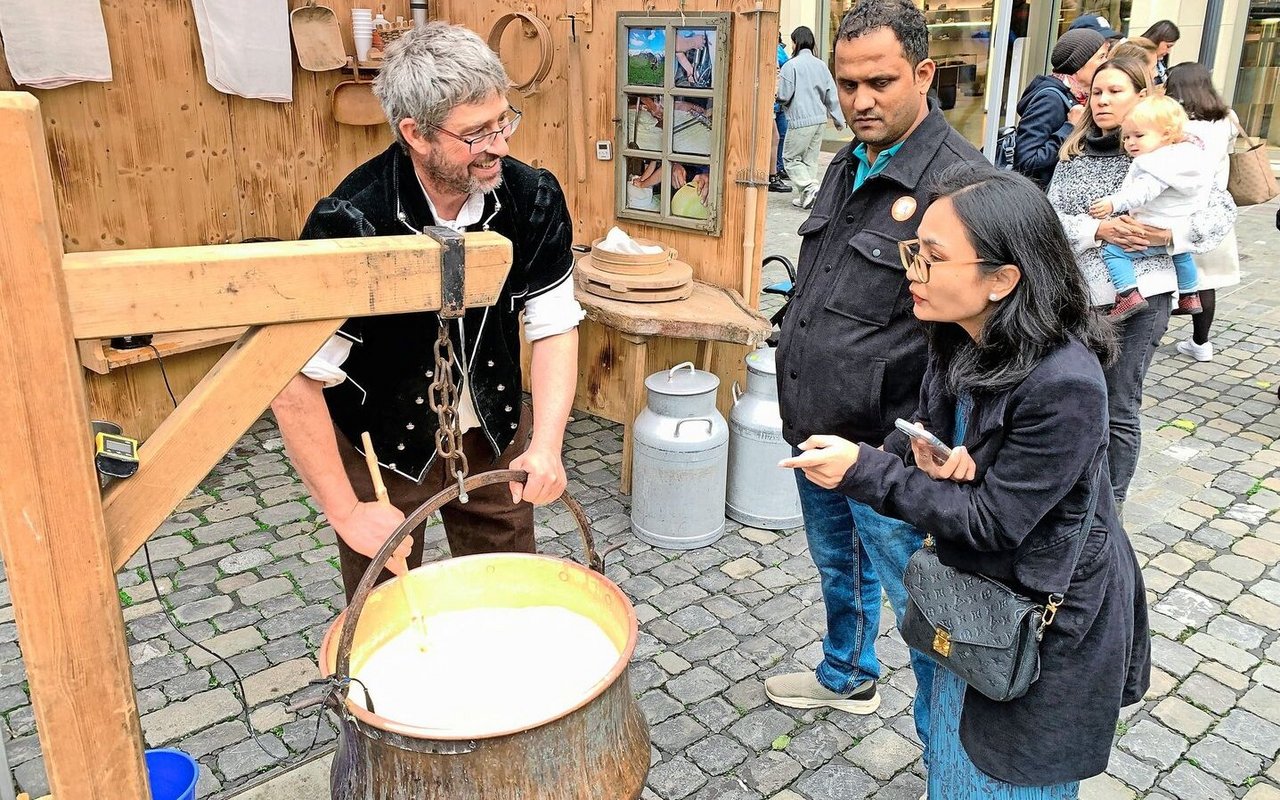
(681, 461)
(760, 493)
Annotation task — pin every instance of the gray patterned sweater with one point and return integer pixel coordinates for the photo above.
(1098, 172)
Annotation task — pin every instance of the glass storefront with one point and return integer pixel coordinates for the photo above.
(961, 33)
(1258, 82)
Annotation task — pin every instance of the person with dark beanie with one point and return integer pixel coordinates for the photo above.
(1050, 105)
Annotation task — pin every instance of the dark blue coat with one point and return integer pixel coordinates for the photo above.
(1042, 128)
(1039, 448)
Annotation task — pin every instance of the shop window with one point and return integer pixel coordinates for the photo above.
(672, 78)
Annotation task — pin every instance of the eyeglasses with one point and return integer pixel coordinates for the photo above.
(909, 252)
(480, 143)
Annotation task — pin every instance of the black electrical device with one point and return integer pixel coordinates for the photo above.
(115, 456)
(131, 342)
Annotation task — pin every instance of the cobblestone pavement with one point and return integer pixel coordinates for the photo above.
(246, 566)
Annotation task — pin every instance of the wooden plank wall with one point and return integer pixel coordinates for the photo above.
(718, 260)
(159, 158)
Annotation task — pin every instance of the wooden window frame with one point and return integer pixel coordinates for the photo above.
(722, 23)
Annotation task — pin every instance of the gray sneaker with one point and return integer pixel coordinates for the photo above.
(802, 690)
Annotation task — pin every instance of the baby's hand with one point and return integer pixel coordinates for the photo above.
(1101, 209)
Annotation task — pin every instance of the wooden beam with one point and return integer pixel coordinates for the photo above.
(191, 441)
(60, 571)
(122, 292)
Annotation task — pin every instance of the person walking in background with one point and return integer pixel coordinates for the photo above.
(808, 96)
(1094, 165)
(1016, 384)
(1165, 35)
(778, 180)
(1216, 126)
(851, 354)
(1050, 105)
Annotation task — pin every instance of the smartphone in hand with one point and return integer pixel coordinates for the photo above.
(941, 451)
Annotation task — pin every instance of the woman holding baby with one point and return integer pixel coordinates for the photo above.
(1095, 165)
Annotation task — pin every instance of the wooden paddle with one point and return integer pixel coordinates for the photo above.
(317, 38)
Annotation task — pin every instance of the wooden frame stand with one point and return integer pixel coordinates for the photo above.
(62, 539)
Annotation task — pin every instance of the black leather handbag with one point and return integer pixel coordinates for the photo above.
(974, 626)
(977, 627)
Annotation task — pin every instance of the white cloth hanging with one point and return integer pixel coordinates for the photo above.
(53, 43)
(246, 47)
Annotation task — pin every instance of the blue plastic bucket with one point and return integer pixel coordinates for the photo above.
(172, 774)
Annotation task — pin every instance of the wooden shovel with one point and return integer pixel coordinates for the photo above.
(354, 102)
(317, 38)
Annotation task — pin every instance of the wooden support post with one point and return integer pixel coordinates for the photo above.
(51, 529)
(638, 353)
(191, 441)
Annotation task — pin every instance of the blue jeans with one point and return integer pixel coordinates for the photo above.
(857, 552)
(1120, 266)
(779, 119)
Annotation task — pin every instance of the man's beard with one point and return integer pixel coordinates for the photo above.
(456, 179)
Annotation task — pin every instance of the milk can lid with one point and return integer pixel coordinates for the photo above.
(763, 361)
(682, 380)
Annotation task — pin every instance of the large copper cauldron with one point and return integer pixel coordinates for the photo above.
(598, 749)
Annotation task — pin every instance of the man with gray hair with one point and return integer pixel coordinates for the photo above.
(444, 93)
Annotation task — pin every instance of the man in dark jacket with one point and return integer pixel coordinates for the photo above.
(1050, 106)
(444, 92)
(851, 355)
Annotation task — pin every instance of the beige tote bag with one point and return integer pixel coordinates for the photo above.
(1252, 180)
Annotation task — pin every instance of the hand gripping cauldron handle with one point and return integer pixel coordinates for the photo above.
(594, 560)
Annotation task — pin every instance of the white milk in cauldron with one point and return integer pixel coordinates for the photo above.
(486, 670)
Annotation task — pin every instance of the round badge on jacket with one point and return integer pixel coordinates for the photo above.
(903, 208)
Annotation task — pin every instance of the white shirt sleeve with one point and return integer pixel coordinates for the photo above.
(326, 365)
(553, 312)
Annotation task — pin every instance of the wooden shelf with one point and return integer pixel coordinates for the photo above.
(99, 356)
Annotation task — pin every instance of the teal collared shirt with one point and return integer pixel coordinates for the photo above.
(866, 169)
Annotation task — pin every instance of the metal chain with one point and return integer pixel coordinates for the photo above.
(443, 397)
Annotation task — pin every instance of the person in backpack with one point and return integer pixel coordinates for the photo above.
(1050, 105)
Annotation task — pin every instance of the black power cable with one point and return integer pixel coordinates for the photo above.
(239, 682)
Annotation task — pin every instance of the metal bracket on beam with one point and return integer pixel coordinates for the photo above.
(453, 264)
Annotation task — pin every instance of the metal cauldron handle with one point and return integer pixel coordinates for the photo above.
(343, 672)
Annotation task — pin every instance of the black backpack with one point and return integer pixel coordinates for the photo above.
(1007, 137)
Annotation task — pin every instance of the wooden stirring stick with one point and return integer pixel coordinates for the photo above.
(380, 493)
(379, 488)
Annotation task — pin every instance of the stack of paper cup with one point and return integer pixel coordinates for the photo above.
(362, 31)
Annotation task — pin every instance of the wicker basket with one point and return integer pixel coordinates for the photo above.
(389, 35)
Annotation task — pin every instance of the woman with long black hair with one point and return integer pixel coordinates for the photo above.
(1165, 35)
(1015, 383)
